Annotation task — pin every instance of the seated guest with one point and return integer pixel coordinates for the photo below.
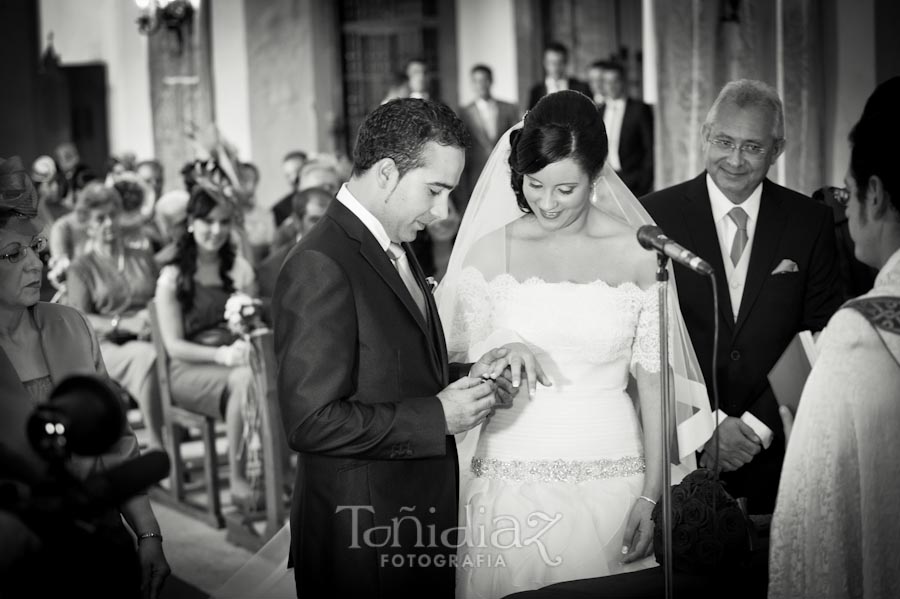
(151, 172)
(309, 208)
(136, 219)
(835, 531)
(111, 284)
(170, 214)
(40, 345)
(291, 166)
(556, 59)
(321, 173)
(50, 185)
(257, 220)
(69, 232)
(209, 371)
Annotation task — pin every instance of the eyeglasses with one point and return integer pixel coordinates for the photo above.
(38, 245)
(729, 146)
(841, 195)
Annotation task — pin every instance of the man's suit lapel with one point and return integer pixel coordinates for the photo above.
(480, 132)
(698, 222)
(377, 258)
(771, 222)
(628, 120)
(438, 343)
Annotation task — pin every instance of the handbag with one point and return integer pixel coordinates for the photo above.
(214, 336)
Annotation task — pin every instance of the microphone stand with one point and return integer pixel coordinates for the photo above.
(667, 413)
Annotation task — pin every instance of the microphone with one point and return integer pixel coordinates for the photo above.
(652, 238)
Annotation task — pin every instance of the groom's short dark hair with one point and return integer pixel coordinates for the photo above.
(399, 130)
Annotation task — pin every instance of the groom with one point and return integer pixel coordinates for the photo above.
(363, 373)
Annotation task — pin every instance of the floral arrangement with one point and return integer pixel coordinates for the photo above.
(709, 529)
(243, 315)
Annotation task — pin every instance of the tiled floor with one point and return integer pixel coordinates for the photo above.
(198, 554)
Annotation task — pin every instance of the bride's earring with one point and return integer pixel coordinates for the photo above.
(190, 229)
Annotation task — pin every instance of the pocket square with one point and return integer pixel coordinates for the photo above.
(786, 266)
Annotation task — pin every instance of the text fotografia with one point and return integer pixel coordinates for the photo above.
(506, 533)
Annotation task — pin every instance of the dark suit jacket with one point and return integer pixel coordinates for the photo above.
(540, 90)
(774, 308)
(358, 372)
(636, 146)
(482, 146)
(283, 208)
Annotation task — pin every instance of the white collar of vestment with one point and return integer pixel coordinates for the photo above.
(889, 275)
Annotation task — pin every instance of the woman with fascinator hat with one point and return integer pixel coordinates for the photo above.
(40, 345)
(561, 484)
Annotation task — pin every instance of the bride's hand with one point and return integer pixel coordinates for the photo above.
(637, 542)
(521, 358)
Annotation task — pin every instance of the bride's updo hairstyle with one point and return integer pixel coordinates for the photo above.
(562, 125)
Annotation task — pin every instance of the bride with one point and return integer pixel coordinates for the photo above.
(560, 484)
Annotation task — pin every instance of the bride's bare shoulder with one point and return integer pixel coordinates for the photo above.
(526, 228)
(637, 264)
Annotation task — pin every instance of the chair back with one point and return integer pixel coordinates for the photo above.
(274, 439)
(162, 358)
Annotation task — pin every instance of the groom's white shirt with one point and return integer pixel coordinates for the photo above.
(368, 219)
(737, 275)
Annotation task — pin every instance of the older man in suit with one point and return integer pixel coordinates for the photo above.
(773, 252)
(629, 127)
(487, 119)
(363, 373)
(556, 60)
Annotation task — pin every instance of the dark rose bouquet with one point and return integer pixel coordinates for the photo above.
(709, 530)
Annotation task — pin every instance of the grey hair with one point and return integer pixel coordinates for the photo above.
(749, 92)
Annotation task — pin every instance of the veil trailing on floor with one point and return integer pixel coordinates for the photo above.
(482, 244)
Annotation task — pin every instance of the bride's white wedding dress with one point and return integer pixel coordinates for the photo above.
(547, 492)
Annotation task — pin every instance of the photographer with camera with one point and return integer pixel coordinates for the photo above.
(40, 345)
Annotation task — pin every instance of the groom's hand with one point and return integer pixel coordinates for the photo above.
(466, 403)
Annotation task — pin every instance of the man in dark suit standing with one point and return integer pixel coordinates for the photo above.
(773, 252)
(363, 373)
(556, 59)
(487, 119)
(629, 128)
(291, 165)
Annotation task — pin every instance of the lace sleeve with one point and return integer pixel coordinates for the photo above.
(472, 313)
(645, 348)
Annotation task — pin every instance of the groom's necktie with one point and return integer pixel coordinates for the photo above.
(739, 217)
(401, 263)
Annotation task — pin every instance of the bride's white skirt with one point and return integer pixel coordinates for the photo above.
(526, 535)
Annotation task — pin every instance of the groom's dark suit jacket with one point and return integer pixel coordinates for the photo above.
(358, 370)
(774, 307)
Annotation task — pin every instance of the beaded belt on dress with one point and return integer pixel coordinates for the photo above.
(570, 471)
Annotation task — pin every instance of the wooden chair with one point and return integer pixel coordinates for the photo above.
(241, 530)
(177, 421)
